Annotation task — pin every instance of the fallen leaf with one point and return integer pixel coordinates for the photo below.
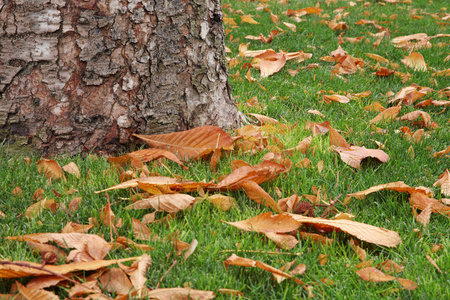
(444, 182)
(22, 270)
(115, 280)
(390, 266)
(258, 173)
(96, 246)
(171, 203)
(416, 61)
(248, 19)
(136, 158)
(267, 222)
(386, 115)
(323, 258)
(73, 169)
(222, 202)
(374, 275)
(415, 114)
(179, 293)
(138, 272)
(190, 144)
(421, 201)
(316, 112)
(235, 260)
(364, 232)
(424, 216)
(284, 241)
(378, 58)
(50, 168)
(354, 155)
(431, 260)
(336, 98)
(36, 209)
(35, 294)
(398, 186)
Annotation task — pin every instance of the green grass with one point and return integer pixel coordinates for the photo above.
(287, 99)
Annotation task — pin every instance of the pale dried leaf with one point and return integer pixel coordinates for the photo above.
(421, 201)
(424, 216)
(374, 275)
(335, 98)
(386, 115)
(73, 169)
(50, 168)
(35, 294)
(416, 61)
(115, 280)
(444, 182)
(364, 232)
(267, 222)
(354, 155)
(221, 201)
(138, 274)
(180, 294)
(170, 203)
(284, 241)
(255, 192)
(398, 186)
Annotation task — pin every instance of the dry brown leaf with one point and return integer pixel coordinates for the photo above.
(35, 294)
(335, 98)
(46, 248)
(271, 63)
(284, 241)
(431, 260)
(73, 169)
(390, 266)
(136, 158)
(36, 209)
(263, 120)
(191, 249)
(421, 201)
(337, 140)
(115, 280)
(222, 202)
(259, 173)
(442, 153)
(15, 271)
(75, 227)
(364, 232)
(415, 114)
(375, 106)
(89, 287)
(180, 293)
(190, 144)
(424, 216)
(398, 186)
(138, 271)
(386, 115)
(323, 259)
(416, 61)
(267, 222)
(17, 191)
(288, 204)
(142, 232)
(316, 112)
(304, 163)
(384, 72)
(235, 260)
(302, 146)
(107, 216)
(42, 282)
(231, 292)
(50, 168)
(354, 155)
(374, 275)
(259, 195)
(317, 128)
(444, 182)
(171, 203)
(96, 246)
(360, 252)
(378, 58)
(408, 95)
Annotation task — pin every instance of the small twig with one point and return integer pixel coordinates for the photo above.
(261, 252)
(41, 268)
(168, 270)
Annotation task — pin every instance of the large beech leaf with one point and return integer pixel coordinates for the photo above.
(267, 222)
(35, 294)
(190, 144)
(421, 201)
(364, 232)
(259, 173)
(22, 270)
(169, 203)
(96, 246)
(374, 275)
(353, 155)
(398, 186)
(259, 195)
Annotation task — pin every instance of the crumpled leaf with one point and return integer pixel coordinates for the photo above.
(36, 209)
(115, 280)
(96, 246)
(258, 173)
(398, 186)
(415, 114)
(191, 144)
(235, 260)
(364, 232)
(284, 241)
(73, 169)
(267, 222)
(353, 155)
(221, 201)
(421, 201)
(444, 182)
(171, 203)
(410, 94)
(35, 294)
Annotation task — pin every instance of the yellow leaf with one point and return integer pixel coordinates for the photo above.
(248, 19)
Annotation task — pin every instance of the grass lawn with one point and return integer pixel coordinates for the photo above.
(288, 99)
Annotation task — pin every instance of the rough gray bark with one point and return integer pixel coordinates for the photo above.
(77, 75)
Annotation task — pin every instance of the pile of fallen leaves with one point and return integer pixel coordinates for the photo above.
(294, 216)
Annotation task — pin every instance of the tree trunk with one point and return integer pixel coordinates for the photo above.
(77, 75)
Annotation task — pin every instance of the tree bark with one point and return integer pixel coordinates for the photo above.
(77, 75)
